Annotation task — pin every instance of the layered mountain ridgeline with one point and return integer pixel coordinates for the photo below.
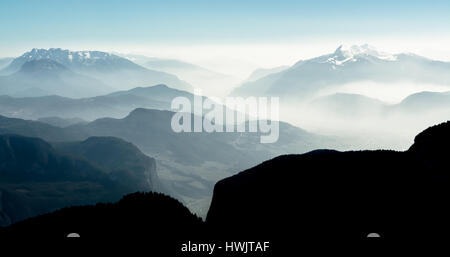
(151, 222)
(189, 163)
(77, 74)
(323, 197)
(115, 105)
(61, 122)
(330, 196)
(37, 178)
(39, 129)
(357, 106)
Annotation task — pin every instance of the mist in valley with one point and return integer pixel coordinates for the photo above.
(352, 98)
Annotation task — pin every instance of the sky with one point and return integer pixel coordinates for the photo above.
(251, 33)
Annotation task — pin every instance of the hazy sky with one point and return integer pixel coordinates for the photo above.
(258, 33)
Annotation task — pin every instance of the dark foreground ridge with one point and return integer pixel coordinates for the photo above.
(329, 196)
(321, 197)
(151, 221)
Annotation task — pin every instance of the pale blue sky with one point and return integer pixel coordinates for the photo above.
(116, 24)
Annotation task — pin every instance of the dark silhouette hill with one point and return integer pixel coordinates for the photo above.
(432, 146)
(151, 222)
(330, 196)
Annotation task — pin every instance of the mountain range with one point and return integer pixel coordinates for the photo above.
(347, 65)
(62, 72)
(116, 105)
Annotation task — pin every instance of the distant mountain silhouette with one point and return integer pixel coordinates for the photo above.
(260, 73)
(345, 104)
(39, 129)
(211, 82)
(115, 105)
(61, 122)
(37, 177)
(329, 197)
(349, 105)
(425, 102)
(356, 114)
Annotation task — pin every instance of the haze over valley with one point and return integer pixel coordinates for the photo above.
(354, 98)
(177, 127)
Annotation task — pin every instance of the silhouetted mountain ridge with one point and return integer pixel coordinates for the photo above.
(400, 195)
(149, 222)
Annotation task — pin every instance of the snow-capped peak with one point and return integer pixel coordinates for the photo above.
(67, 57)
(352, 53)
